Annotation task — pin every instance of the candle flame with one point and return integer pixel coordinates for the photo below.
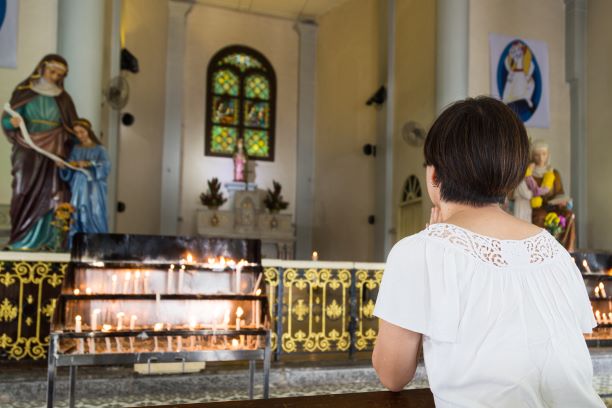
(114, 278)
(77, 291)
(137, 274)
(120, 315)
(96, 311)
(158, 326)
(98, 264)
(189, 258)
(192, 323)
(258, 292)
(128, 276)
(234, 343)
(134, 317)
(106, 327)
(182, 267)
(239, 312)
(172, 266)
(88, 291)
(78, 318)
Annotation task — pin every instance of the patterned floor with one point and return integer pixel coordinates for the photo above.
(120, 387)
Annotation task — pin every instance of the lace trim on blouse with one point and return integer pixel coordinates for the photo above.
(537, 249)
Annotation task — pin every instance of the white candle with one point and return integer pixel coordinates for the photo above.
(106, 328)
(179, 343)
(94, 319)
(157, 305)
(126, 282)
(226, 319)
(146, 282)
(132, 328)
(114, 284)
(169, 339)
(136, 281)
(239, 313)
(238, 273)
(157, 327)
(120, 316)
(598, 316)
(585, 264)
(596, 290)
(180, 279)
(315, 256)
(602, 290)
(170, 281)
(192, 326)
(77, 329)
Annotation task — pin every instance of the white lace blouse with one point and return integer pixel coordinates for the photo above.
(502, 320)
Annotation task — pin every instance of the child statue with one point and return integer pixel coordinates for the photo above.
(549, 196)
(88, 194)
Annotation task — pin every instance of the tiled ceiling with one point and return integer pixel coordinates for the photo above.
(290, 9)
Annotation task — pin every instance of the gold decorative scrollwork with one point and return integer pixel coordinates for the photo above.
(8, 311)
(366, 281)
(317, 320)
(271, 278)
(32, 288)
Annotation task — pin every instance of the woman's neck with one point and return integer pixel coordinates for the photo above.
(454, 211)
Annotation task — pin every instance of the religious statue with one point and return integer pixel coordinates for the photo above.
(88, 188)
(240, 162)
(520, 84)
(47, 111)
(551, 207)
(522, 196)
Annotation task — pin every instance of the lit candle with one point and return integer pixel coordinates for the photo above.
(180, 278)
(315, 256)
(598, 316)
(602, 290)
(238, 273)
(126, 282)
(106, 328)
(146, 282)
(94, 319)
(136, 280)
(585, 264)
(605, 318)
(157, 305)
(114, 283)
(239, 313)
(257, 312)
(189, 258)
(77, 292)
(77, 329)
(234, 343)
(179, 343)
(157, 327)
(88, 291)
(170, 282)
(596, 290)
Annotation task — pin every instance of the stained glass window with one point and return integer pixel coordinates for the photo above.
(240, 103)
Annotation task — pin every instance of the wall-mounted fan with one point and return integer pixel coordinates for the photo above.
(413, 133)
(117, 93)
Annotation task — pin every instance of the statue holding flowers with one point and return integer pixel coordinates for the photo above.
(551, 207)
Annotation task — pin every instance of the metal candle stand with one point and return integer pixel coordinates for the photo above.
(168, 322)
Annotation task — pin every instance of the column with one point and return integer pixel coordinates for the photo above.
(173, 126)
(452, 47)
(384, 228)
(81, 42)
(304, 206)
(576, 73)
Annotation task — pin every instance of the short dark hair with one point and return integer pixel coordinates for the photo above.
(480, 150)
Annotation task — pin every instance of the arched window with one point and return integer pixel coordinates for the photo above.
(240, 103)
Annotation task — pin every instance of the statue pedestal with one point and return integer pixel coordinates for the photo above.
(248, 218)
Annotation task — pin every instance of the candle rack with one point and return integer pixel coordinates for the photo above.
(148, 299)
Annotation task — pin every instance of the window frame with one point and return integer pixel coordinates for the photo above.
(267, 72)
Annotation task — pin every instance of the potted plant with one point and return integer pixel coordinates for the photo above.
(213, 198)
(274, 200)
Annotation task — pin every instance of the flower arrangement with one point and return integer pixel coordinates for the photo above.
(555, 224)
(274, 200)
(213, 198)
(62, 221)
(547, 182)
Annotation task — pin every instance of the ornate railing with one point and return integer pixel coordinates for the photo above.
(322, 306)
(316, 306)
(29, 286)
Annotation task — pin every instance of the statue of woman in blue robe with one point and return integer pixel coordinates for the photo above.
(88, 195)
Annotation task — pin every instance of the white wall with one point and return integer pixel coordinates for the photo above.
(542, 20)
(37, 37)
(208, 30)
(145, 25)
(599, 124)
